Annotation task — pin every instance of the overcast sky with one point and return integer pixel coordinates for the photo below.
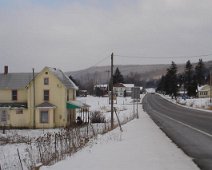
(76, 34)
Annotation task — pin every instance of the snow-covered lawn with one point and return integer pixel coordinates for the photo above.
(141, 145)
(25, 141)
(123, 105)
(195, 103)
(200, 103)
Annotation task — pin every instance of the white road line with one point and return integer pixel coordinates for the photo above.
(191, 127)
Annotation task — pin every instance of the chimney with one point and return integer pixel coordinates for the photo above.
(5, 69)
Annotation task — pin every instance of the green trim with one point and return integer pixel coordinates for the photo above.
(72, 106)
(12, 105)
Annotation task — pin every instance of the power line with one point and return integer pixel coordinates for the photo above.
(142, 57)
(97, 63)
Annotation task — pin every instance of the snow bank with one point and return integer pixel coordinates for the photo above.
(195, 103)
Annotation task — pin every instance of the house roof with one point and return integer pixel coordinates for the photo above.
(15, 80)
(128, 85)
(203, 88)
(123, 85)
(21, 80)
(118, 85)
(68, 83)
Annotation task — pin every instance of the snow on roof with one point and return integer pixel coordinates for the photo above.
(118, 85)
(101, 85)
(63, 78)
(199, 88)
(203, 88)
(20, 80)
(128, 85)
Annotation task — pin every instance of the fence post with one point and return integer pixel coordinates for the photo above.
(19, 159)
(39, 149)
(55, 145)
(118, 120)
(4, 129)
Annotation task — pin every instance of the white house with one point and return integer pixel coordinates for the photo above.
(120, 89)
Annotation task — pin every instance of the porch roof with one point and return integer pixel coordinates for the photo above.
(46, 105)
(76, 104)
(14, 105)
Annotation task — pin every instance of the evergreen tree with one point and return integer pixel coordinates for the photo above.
(171, 80)
(118, 77)
(181, 79)
(188, 75)
(161, 85)
(200, 72)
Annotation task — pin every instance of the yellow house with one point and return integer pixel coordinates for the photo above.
(43, 100)
(204, 91)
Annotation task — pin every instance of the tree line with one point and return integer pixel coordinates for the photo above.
(171, 83)
(187, 81)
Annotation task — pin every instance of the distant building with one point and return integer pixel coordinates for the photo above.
(101, 89)
(121, 89)
(204, 91)
(150, 90)
(45, 101)
(142, 90)
(83, 93)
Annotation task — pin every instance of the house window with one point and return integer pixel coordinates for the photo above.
(14, 95)
(46, 81)
(44, 116)
(19, 111)
(46, 95)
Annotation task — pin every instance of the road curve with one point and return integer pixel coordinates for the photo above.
(190, 129)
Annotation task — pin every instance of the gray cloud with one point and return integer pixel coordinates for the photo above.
(74, 36)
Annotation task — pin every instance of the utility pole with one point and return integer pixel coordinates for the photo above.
(108, 85)
(111, 97)
(210, 87)
(33, 74)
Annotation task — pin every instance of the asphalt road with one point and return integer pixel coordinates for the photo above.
(190, 129)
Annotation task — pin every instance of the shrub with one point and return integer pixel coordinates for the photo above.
(97, 117)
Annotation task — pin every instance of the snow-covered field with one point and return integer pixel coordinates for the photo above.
(141, 145)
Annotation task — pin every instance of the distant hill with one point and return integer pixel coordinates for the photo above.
(101, 74)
